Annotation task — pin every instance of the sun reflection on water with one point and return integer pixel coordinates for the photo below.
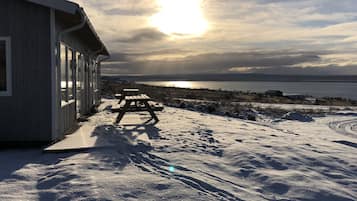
(180, 84)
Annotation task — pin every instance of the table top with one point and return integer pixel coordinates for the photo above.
(141, 97)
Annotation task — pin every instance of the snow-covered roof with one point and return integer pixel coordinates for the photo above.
(71, 8)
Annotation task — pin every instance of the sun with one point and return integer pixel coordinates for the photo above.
(180, 17)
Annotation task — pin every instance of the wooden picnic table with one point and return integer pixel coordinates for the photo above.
(137, 100)
(126, 92)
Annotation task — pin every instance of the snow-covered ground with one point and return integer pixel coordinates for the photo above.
(193, 156)
(300, 107)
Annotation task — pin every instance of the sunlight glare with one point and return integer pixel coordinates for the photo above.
(180, 17)
(180, 84)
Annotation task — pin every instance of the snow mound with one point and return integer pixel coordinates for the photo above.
(296, 116)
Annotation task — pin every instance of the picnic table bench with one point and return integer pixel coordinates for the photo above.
(138, 101)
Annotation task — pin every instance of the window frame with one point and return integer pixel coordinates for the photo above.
(69, 70)
(8, 91)
(70, 73)
(65, 100)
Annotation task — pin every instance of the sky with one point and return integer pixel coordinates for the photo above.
(310, 37)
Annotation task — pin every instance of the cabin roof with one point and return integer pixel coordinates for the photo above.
(72, 12)
(61, 5)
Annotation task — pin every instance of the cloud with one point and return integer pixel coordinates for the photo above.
(128, 12)
(144, 35)
(125, 57)
(214, 63)
(121, 7)
(333, 6)
(328, 70)
(119, 57)
(236, 28)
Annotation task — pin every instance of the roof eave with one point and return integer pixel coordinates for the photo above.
(65, 6)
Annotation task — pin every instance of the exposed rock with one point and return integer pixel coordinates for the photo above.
(296, 116)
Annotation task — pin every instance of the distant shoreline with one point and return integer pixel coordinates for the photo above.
(237, 104)
(160, 93)
(237, 77)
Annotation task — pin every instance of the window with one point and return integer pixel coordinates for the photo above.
(5, 67)
(79, 82)
(91, 66)
(67, 74)
(95, 77)
(95, 84)
(70, 76)
(63, 54)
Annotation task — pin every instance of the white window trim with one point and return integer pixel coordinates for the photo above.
(8, 91)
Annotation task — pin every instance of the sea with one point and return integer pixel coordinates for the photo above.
(317, 89)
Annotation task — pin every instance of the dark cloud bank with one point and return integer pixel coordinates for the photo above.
(143, 35)
(278, 62)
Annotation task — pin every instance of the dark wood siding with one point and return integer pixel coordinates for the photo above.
(68, 118)
(26, 115)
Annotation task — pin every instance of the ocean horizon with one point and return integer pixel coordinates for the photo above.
(316, 89)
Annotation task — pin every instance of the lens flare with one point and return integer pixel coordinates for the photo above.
(172, 169)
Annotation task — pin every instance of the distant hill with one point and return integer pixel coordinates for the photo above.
(236, 77)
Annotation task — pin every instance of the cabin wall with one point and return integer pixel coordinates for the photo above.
(68, 117)
(26, 114)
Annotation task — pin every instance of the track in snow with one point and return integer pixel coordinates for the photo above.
(348, 127)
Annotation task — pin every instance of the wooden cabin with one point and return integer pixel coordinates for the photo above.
(50, 59)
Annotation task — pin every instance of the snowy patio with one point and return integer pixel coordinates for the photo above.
(192, 156)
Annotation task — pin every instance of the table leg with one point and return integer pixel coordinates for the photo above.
(122, 112)
(151, 111)
(121, 98)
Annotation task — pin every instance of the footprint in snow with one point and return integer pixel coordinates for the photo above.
(162, 186)
(278, 188)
